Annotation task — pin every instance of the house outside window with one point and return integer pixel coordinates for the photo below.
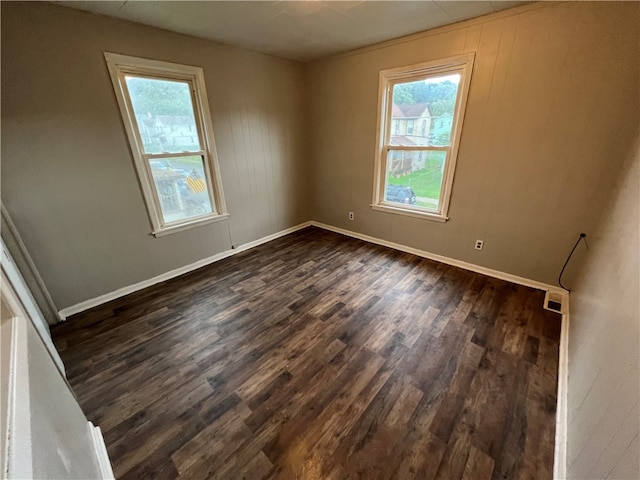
(166, 116)
(414, 174)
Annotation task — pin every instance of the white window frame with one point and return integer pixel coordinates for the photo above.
(121, 65)
(462, 64)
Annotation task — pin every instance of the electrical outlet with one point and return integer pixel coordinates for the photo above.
(350, 215)
(479, 244)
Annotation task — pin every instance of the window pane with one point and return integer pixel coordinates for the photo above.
(414, 177)
(182, 187)
(164, 114)
(422, 111)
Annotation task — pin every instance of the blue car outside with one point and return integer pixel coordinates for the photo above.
(400, 194)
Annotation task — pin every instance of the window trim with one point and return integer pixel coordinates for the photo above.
(121, 65)
(462, 64)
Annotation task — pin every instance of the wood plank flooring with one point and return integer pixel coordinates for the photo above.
(318, 356)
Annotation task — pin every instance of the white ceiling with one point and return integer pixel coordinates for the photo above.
(297, 30)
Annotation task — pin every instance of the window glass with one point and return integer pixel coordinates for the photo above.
(415, 163)
(415, 177)
(164, 114)
(433, 100)
(166, 117)
(182, 189)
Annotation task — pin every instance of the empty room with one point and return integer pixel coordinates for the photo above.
(320, 240)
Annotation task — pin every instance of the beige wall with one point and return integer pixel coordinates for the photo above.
(604, 342)
(551, 112)
(548, 121)
(68, 179)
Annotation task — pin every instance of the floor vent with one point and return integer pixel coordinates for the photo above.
(553, 302)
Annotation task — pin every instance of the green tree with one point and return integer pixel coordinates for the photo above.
(159, 97)
(403, 94)
(440, 96)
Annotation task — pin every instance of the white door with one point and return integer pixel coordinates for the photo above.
(19, 286)
(44, 432)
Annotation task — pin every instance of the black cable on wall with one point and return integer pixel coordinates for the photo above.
(582, 235)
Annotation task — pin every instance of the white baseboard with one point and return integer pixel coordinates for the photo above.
(447, 260)
(107, 297)
(121, 292)
(560, 451)
(100, 450)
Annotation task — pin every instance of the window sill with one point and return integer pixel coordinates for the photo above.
(435, 217)
(185, 226)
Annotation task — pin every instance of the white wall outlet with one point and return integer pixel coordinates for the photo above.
(350, 215)
(479, 244)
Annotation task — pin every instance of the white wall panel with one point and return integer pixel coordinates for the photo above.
(604, 342)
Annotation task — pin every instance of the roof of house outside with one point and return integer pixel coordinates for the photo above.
(166, 120)
(410, 110)
(401, 140)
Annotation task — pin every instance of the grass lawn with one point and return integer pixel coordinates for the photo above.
(425, 182)
(184, 164)
(190, 161)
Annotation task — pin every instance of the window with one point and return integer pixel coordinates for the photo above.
(415, 176)
(166, 116)
(410, 127)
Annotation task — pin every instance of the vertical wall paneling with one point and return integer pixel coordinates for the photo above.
(548, 122)
(67, 174)
(604, 364)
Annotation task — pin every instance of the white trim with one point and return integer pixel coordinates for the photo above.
(121, 292)
(409, 212)
(449, 261)
(16, 239)
(107, 297)
(100, 450)
(22, 292)
(560, 450)
(19, 443)
(13, 281)
(121, 65)
(461, 64)
(194, 223)
(19, 463)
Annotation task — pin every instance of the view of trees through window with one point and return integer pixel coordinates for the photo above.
(166, 123)
(422, 116)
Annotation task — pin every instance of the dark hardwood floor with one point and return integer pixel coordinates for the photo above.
(318, 356)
